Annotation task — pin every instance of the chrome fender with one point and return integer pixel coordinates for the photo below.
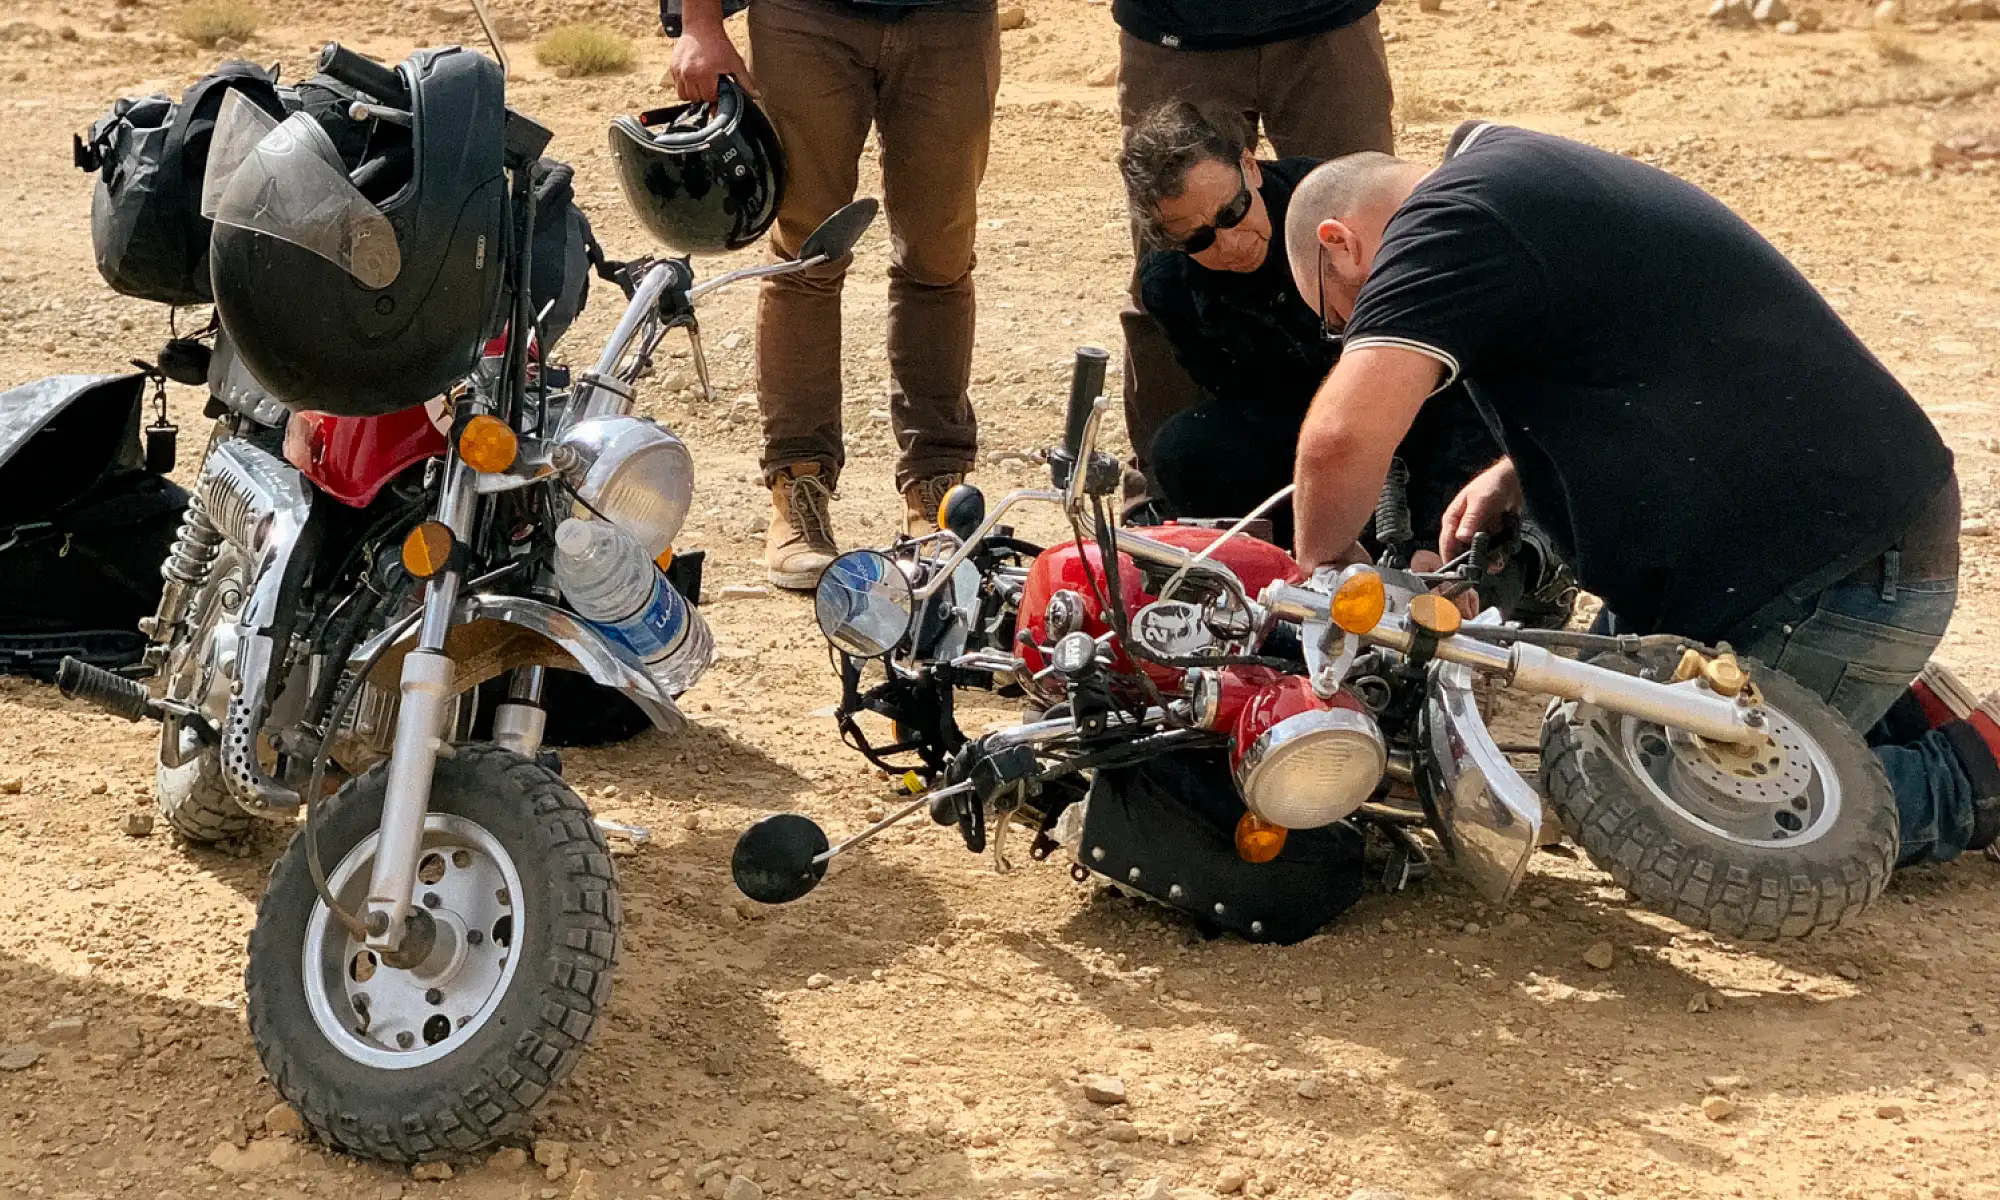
(1490, 818)
(491, 634)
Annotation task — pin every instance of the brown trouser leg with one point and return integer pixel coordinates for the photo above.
(927, 82)
(1320, 96)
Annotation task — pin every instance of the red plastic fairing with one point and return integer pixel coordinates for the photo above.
(353, 458)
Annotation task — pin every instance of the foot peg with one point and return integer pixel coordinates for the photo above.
(115, 694)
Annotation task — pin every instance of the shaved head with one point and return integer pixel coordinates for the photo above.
(1340, 208)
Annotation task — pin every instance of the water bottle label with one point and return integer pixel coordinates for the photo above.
(657, 629)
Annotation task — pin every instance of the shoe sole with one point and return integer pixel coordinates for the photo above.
(795, 581)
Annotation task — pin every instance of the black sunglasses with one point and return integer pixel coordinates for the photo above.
(1331, 328)
(1230, 217)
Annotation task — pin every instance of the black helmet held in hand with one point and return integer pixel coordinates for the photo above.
(702, 177)
(367, 283)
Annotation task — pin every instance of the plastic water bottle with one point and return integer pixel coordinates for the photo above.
(605, 575)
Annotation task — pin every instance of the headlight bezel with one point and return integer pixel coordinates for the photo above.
(1261, 767)
(599, 454)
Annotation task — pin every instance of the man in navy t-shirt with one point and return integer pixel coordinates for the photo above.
(1713, 450)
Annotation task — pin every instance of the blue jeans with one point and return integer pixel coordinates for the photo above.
(1860, 651)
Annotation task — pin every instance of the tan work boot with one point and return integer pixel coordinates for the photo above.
(921, 501)
(799, 543)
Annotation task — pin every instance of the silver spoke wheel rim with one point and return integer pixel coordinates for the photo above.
(395, 1018)
(1779, 794)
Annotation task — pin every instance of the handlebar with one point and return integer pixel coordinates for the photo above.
(364, 74)
(1086, 384)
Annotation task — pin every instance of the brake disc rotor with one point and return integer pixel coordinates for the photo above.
(1779, 790)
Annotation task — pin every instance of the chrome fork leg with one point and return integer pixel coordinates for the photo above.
(428, 674)
(519, 723)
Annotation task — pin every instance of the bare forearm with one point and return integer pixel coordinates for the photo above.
(1339, 478)
(1360, 414)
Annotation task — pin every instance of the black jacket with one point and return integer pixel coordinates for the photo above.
(1228, 24)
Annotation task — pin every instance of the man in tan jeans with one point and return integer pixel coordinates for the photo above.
(1313, 73)
(924, 74)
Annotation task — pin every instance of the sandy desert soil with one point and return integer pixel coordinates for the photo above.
(1426, 1046)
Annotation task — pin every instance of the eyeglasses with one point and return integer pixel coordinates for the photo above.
(1229, 217)
(1331, 329)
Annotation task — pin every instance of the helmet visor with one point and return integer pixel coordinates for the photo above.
(284, 179)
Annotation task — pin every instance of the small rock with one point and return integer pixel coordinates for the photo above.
(1732, 14)
(1976, 10)
(553, 1155)
(431, 1172)
(508, 1158)
(1308, 1088)
(742, 1187)
(1230, 1179)
(1104, 1089)
(136, 824)
(1770, 12)
(1154, 1189)
(1375, 1194)
(818, 980)
(1600, 956)
(1725, 1083)
(1104, 76)
(21, 1057)
(1701, 1002)
(1788, 28)
(1889, 12)
(1515, 920)
(1717, 1108)
(1847, 971)
(115, 24)
(256, 1157)
(744, 591)
(1889, 1112)
(1013, 17)
(65, 1029)
(1976, 527)
(1124, 1132)
(281, 1121)
(1430, 6)
(1491, 1137)
(10, 787)
(585, 1187)
(1539, 903)
(1591, 28)
(1809, 19)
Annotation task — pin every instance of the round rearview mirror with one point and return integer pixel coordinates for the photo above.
(865, 604)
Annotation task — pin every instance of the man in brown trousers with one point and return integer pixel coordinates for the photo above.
(923, 74)
(1313, 73)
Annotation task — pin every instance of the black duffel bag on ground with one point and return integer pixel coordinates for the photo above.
(84, 526)
(150, 155)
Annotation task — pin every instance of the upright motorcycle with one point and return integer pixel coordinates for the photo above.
(436, 945)
(1208, 728)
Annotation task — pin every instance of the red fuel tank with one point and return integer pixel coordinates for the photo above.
(353, 458)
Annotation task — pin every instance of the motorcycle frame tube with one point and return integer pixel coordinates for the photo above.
(1533, 668)
(427, 691)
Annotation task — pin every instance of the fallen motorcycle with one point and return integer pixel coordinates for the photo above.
(1210, 729)
(435, 947)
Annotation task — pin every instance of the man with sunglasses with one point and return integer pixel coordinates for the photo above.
(1313, 74)
(1218, 282)
(1715, 452)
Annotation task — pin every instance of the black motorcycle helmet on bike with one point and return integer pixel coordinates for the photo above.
(365, 286)
(702, 177)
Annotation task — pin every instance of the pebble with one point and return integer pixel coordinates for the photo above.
(744, 591)
(21, 1057)
(431, 1172)
(585, 1187)
(818, 980)
(280, 1120)
(1600, 956)
(508, 1158)
(553, 1155)
(1154, 1189)
(1732, 13)
(1122, 1131)
(1013, 17)
(1491, 1137)
(1375, 1194)
(1889, 1112)
(1725, 1083)
(1889, 12)
(1538, 903)
(1718, 1108)
(1848, 971)
(1430, 6)
(1308, 1088)
(743, 1188)
(1770, 12)
(65, 1029)
(1104, 1089)
(1975, 527)
(136, 824)
(1701, 1002)
(1230, 1179)
(10, 787)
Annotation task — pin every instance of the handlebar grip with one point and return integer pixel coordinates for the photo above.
(1086, 384)
(364, 74)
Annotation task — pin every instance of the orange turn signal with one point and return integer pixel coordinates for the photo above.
(1257, 840)
(665, 560)
(1360, 600)
(1435, 614)
(427, 550)
(487, 445)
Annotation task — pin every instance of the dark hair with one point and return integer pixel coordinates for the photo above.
(1165, 145)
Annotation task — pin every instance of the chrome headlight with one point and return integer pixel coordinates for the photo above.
(639, 476)
(1312, 768)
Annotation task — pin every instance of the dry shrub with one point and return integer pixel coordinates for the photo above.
(211, 21)
(1420, 99)
(573, 51)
